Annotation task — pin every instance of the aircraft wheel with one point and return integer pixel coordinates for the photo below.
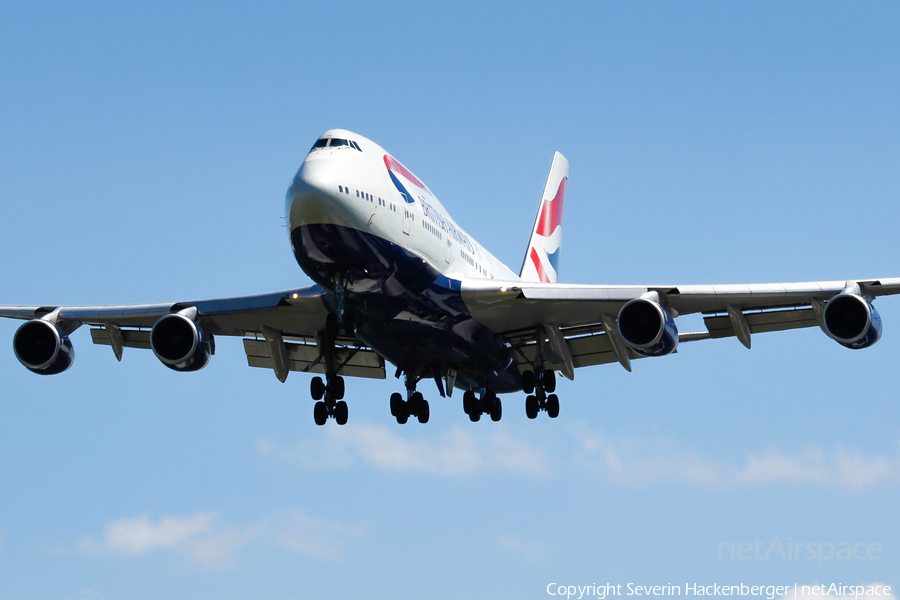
(320, 413)
(402, 416)
(528, 382)
(317, 388)
(396, 404)
(496, 409)
(548, 381)
(475, 416)
(337, 387)
(469, 402)
(552, 406)
(424, 412)
(531, 407)
(340, 413)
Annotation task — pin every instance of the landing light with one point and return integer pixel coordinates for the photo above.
(503, 289)
(295, 296)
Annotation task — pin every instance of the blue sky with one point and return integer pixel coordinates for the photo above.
(145, 155)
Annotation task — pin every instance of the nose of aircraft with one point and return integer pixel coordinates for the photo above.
(314, 196)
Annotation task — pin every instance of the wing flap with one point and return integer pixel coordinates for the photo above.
(355, 361)
(586, 351)
(761, 322)
(131, 338)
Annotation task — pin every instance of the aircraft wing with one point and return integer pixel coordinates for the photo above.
(279, 329)
(574, 321)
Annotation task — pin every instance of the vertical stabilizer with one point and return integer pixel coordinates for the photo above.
(542, 257)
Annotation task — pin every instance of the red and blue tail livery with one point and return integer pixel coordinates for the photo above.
(542, 257)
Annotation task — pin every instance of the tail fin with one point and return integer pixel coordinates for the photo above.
(542, 257)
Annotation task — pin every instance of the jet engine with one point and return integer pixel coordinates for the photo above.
(647, 328)
(43, 348)
(852, 321)
(180, 343)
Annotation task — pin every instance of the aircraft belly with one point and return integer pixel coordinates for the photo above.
(401, 306)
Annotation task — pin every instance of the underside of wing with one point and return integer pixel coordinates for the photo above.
(283, 331)
(571, 326)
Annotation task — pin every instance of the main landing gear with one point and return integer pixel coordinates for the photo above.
(415, 404)
(330, 402)
(489, 403)
(541, 383)
(329, 394)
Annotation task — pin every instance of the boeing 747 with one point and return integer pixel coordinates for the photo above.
(398, 281)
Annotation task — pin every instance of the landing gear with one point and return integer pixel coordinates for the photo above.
(489, 403)
(340, 413)
(317, 388)
(329, 394)
(528, 381)
(416, 405)
(320, 413)
(541, 383)
(496, 409)
(548, 381)
(552, 406)
(332, 405)
(531, 406)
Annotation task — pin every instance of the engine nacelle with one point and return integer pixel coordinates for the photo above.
(852, 321)
(180, 343)
(647, 328)
(43, 348)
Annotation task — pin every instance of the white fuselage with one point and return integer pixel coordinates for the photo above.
(354, 188)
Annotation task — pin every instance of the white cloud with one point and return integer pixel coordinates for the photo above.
(531, 551)
(201, 542)
(453, 453)
(629, 461)
(869, 591)
(318, 538)
(194, 537)
(459, 452)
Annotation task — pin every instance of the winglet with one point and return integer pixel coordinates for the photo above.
(541, 262)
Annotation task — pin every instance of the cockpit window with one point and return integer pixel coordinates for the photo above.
(334, 143)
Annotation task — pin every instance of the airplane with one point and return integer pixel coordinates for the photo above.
(399, 282)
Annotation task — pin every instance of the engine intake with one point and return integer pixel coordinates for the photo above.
(179, 343)
(43, 348)
(852, 321)
(647, 328)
